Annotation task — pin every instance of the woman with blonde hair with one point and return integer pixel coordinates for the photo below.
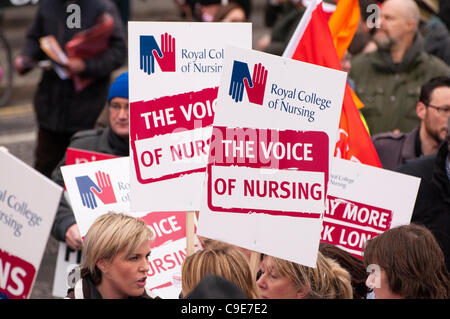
(115, 259)
(282, 279)
(222, 260)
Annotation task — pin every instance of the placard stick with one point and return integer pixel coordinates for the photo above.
(190, 232)
(254, 263)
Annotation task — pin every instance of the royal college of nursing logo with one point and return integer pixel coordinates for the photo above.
(254, 86)
(89, 191)
(149, 51)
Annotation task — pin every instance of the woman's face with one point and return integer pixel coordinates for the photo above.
(272, 285)
(125, 275)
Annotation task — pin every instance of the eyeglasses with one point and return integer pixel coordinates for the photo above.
(443, 110)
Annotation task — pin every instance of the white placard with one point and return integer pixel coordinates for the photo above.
(28, 203)
(111, 177)
(273, 138)
(364, 201)
(174, 72)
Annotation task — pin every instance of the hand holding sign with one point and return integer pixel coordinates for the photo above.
(107, 193)
(255, 92)
(240, 72)
(147, 60)
(85, 184)
(166, 60)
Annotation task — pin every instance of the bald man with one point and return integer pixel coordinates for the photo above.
(388, 80)
(432, 207)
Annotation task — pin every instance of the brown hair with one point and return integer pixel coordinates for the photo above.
(412, 260)
(352, 264)
(218, 259)
(328, 280)
(108, 235)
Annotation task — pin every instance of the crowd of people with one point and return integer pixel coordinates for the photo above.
(399, 68)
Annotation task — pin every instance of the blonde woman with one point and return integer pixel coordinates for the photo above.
(282, 279)
(222, 260)
(115, 259)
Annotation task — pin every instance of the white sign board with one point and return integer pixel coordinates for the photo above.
(174, 72)
(364, 201)
(273, 137)
(28, 203)
(96, 188)
(66, 260)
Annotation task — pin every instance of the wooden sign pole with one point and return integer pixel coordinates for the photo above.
(190, 232)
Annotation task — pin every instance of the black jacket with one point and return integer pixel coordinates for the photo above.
(58, 107)
(432, 208)
(102, 140)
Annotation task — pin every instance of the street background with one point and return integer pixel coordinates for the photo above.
(17, 121)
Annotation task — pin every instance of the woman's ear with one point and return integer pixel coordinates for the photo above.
(102, 264)
(302, 293)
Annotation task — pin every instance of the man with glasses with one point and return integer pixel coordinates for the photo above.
(114, 140)
(433, 110)
(432, 207)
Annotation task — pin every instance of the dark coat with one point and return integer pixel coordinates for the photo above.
(432, 207)
(58, 107)
(99, 140)
(283, 29)
(437, 39)
(389, 91)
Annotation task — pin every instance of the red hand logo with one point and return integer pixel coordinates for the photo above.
(107, 195)
(256, 92)
(167, 60)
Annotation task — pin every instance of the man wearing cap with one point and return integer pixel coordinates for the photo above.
(113, 139)
(432, 207)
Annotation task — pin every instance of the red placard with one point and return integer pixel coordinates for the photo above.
(78, 156)
(289, 151)
(16, 276)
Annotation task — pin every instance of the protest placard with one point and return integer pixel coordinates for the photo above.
(174, 71)
(77, 156)
(67, 259)
(28, 203)
(363, 201)
(97, 188)
(273, 137)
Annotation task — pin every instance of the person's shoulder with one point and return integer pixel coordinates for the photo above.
(83, 138)
(420, 167)
(435, 63)
(389, 136)
(88, 133)
(362, 62)
(363, 57)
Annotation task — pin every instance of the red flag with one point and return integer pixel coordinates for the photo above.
(312, 42)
